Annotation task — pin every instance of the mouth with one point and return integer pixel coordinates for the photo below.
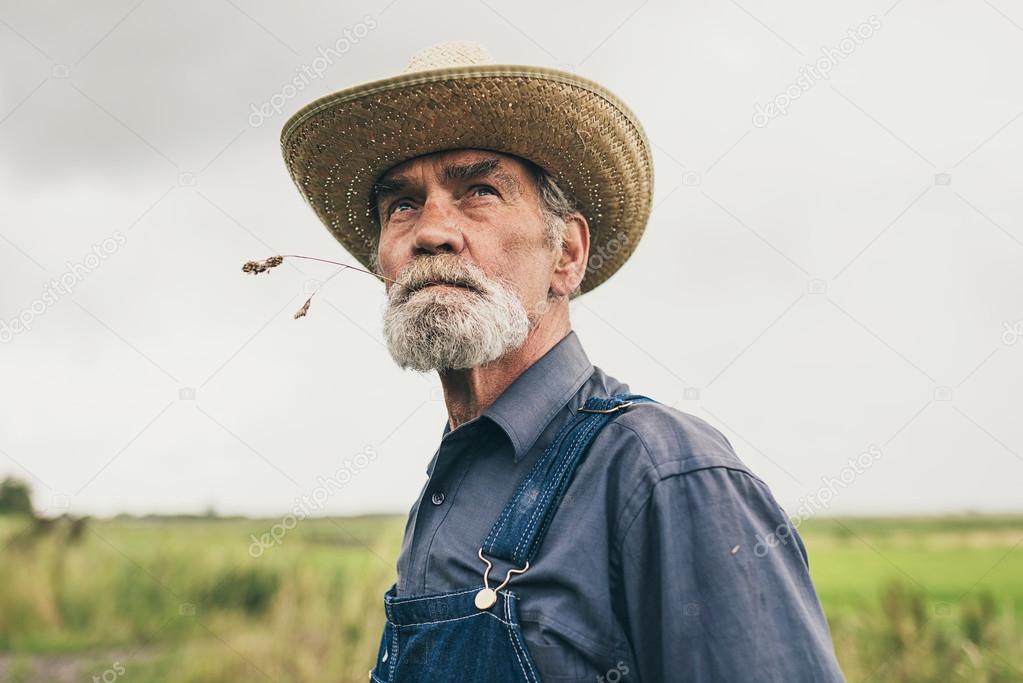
(459, 285)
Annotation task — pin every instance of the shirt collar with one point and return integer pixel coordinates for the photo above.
(532, 400)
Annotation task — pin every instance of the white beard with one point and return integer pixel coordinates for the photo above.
(451, 328)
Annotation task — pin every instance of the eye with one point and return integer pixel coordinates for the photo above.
(400, 206)
(485, 189)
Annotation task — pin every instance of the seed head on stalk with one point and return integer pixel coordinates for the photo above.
(257, 267)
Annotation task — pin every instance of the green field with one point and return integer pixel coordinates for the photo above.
(182, 600)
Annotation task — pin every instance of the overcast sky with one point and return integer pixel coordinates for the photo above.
(833, 270)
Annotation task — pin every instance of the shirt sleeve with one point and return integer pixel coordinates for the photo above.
(715, 586)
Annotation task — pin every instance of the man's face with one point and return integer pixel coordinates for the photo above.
(470, 221)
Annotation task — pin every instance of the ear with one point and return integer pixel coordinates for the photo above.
(570, 267)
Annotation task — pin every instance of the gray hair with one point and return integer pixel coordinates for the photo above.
(556, 206)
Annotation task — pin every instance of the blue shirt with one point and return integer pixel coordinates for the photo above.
(668, 560)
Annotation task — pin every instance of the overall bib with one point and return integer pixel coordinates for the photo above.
(473, 634)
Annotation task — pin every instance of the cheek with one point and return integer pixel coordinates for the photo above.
(386, 255)
(531, 272)
(522, 241)
(526, 252)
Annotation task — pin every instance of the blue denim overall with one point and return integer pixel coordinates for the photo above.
(473, 634)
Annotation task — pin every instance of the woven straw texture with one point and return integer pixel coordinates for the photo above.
(338, 146)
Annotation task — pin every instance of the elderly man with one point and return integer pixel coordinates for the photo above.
(569, 530)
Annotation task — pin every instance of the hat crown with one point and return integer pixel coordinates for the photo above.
(449, 54)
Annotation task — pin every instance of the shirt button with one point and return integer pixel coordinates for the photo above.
(437, 498)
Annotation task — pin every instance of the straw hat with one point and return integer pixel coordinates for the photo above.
(452, 97)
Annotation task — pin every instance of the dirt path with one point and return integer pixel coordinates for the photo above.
(71, 668)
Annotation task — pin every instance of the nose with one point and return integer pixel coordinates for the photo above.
(437, 229)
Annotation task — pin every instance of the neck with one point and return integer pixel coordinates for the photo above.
(467, 393)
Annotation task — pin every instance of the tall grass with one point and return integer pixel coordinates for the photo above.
(183, 601)
(904, 639)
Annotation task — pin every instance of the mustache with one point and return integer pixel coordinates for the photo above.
(439, 270)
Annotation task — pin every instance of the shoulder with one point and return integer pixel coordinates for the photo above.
(663, 462)
(671, 442)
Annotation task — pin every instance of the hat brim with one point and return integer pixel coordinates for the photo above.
(338, 146)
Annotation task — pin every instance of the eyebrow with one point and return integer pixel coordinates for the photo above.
(478, 169)
(392, 185)
(481, 169)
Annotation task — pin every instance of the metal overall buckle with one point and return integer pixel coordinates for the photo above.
(621, 406)
(487, 596)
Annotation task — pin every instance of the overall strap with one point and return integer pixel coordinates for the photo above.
(518, 532)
